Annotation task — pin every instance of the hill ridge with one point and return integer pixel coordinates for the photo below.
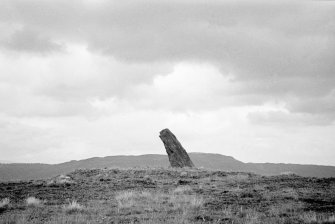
(214, 161)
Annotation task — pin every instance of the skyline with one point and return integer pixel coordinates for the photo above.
(252, 80)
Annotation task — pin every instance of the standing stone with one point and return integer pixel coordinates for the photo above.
(178, 157)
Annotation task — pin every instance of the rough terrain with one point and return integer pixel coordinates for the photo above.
(160, 195)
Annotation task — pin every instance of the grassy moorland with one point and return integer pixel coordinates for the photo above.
(168, 196)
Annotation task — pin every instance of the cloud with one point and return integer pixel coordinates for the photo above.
(313, 110)
(324, 105)
(30, 41)
(285, 118)
(274, 51)
(189, 87)
(65, 84)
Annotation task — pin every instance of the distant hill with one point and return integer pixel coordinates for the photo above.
(22, 171)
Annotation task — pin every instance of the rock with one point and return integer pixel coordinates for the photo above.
(60, 180)
(183, 174)
(178, 157)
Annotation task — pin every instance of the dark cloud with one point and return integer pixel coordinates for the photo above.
(30, 41)
(315, 105)
(275, 51)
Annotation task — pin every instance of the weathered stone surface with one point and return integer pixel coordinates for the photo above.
(178, 157)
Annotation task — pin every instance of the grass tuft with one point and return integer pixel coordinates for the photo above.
(166, 205)
(126, 199)
(73, 207)
(4, 203)
(182, 189)
(313, 217)
(34, 202)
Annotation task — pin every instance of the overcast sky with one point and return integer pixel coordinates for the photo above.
(252, 80)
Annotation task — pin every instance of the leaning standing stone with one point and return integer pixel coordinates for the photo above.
(178, 157)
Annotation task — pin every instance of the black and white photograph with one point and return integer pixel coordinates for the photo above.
(167, 111)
